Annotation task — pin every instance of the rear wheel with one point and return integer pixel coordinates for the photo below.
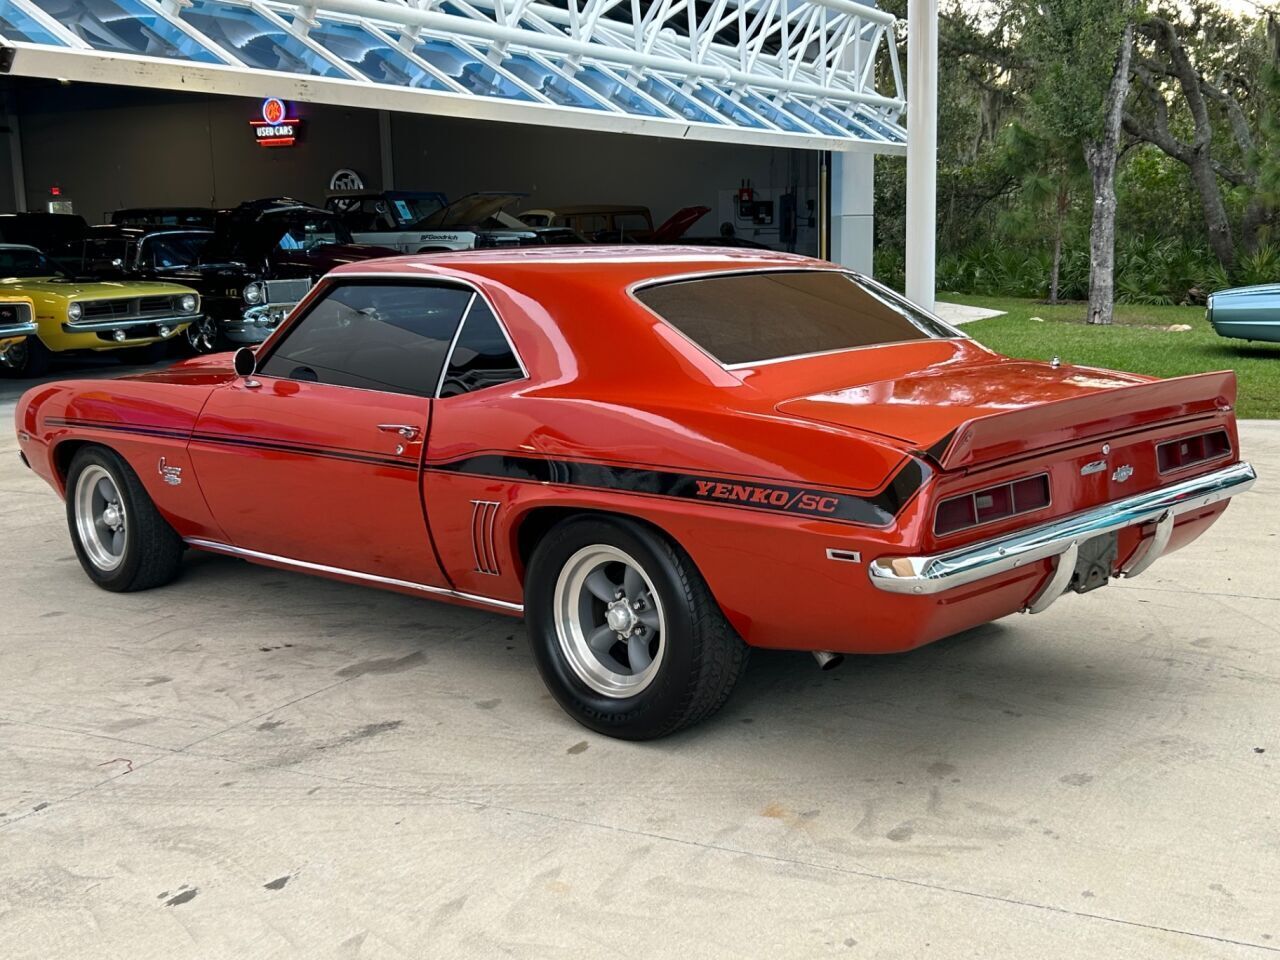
(120, 538)
(624, 630)
(27, 358)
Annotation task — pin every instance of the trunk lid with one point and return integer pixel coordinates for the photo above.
(998, 409)
(678, 224)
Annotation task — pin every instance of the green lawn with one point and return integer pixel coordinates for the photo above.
(1129, 345)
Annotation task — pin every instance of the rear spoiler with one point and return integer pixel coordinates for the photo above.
(1003, 436)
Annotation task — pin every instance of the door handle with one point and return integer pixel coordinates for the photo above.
(405, 430)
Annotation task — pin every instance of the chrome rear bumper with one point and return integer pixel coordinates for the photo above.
(945, 571)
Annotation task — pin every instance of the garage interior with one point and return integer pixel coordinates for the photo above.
(163, 148)
(259, 763)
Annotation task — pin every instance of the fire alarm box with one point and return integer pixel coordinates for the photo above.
(746, 201)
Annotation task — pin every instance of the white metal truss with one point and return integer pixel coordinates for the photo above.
(814, 73)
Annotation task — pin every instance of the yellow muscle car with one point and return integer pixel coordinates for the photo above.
(60, 314)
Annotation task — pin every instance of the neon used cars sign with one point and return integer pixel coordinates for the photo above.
(276, 128)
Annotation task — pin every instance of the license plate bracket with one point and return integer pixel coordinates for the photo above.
(1095, 562)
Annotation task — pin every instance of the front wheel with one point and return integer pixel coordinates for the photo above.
(120, 538)
(27, 358)
(625, 631)
(203, 335)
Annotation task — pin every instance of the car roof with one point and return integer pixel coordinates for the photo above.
(137, 231)
(633, 262)
(549, 296)
(40, 215)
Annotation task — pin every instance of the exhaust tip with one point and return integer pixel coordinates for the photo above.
(827, 660)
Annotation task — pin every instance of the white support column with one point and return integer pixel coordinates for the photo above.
(922, 149)
(852, 210)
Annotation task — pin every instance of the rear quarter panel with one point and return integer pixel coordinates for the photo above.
(767, 568)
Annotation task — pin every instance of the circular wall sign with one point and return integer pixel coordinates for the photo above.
(344, 180)
(273, 110)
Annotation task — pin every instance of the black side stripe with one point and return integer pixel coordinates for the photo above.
(222, 439)
(118, 427)
(877, 509)
(282, 446)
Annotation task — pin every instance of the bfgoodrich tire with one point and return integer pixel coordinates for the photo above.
(120, 538)
(625, 633)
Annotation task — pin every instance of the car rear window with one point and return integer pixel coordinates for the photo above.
(753, 317)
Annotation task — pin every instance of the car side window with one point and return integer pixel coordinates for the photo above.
(376, 336)
(482, 357)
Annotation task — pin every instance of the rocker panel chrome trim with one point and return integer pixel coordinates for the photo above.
(215, 547)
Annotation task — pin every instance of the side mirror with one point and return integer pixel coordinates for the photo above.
(245, 362)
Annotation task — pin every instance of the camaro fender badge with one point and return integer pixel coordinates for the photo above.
(1122, 473)
(1092, 467)
(171, 475)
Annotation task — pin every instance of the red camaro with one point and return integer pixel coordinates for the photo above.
(660, 457)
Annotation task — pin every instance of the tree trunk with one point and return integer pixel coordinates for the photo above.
(1101, 155)
(1216, 222)
(1255, 218)
(1055, 269)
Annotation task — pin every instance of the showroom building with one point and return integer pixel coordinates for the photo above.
(768, 112)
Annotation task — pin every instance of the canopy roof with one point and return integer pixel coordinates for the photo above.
(800, 73)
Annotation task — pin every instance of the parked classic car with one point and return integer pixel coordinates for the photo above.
(266, 254)
(605, 223)
(173, 254)
(388, 218)
(199, 217)
(1246, 313)
(627, 447)
(57, 235)
(478, 221)
(71, 314)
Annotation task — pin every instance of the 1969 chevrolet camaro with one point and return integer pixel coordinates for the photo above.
(659, 458)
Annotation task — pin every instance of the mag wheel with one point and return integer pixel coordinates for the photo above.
(609, 621)
(203, 335)
(28, 358)
(121, 540)
(625, 632)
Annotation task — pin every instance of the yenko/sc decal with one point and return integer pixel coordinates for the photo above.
(803, 501)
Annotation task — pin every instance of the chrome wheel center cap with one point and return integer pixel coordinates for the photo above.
(620, 617)
(111, 516)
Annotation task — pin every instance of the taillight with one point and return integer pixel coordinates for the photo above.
(992, 504)
(1176, 454)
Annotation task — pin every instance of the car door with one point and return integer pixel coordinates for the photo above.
(318, 456)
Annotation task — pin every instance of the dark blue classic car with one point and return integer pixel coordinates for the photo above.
(1247, 313)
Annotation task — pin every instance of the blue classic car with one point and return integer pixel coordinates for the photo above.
(1247, 313)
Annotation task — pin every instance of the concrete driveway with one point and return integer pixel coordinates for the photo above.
(251, 763)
